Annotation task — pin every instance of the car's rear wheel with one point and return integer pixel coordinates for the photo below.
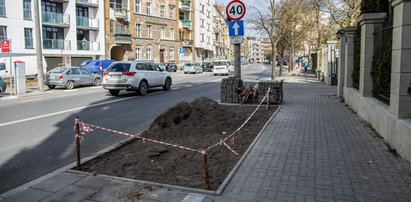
(70, 85)
(96, 82)
(167, 84)
(51, 86)
(142, 88)
(114, 92)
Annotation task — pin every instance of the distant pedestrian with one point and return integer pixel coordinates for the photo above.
(305, 66)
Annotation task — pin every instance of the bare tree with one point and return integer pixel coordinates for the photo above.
(343, 12)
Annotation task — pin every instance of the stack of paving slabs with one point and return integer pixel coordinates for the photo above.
(228, 90)
(276, 90)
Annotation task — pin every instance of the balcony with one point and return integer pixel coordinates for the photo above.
(2, 11)
(122, 38)
(120, 13)
(185, 5)
(27, 14)
(87, 23)
(185, 24)
(187, 43)
(56, 44)
(28, 43)
(88, 45)
(89, 3)
(55, 19)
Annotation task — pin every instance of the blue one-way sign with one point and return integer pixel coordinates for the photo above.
(236, 28)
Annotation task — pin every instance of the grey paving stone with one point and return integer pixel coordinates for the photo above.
(28, 195)
(73, 193)
(58, 182)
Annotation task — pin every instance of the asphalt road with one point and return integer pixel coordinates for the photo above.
(36, 132)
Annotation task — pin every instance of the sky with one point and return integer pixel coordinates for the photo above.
(261, 4)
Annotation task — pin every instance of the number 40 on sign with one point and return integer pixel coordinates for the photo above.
(235, 10)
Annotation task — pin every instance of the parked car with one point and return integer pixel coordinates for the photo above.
(96, 66)
(207, 66)
(171, 66)
(162, 66)
(70, 77)
(192, 68)
(223, 67)
(3, 85)
(135, 76)
(30, 65)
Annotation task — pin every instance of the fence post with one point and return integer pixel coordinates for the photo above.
(77, 133)
(205, 168)
(268, 98)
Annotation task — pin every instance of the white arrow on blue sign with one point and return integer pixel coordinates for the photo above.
(236, 28)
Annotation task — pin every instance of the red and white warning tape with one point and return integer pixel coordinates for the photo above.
(142, 138)
(86, 128)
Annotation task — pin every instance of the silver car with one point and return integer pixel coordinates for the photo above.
(70, 77)
(192, 68)
(135, 76)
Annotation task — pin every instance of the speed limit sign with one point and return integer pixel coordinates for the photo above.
(235, 10)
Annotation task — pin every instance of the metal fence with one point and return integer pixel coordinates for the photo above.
(381, 67)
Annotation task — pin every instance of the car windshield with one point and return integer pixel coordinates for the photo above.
(219, 63)
(58, 70)
(172, 64)
(189, 64)
(120, 67)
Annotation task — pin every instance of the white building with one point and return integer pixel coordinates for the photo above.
(256, 52)
(71, 30)
(203, 30)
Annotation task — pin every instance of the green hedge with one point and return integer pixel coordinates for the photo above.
(357, 58)
(381, 74)
(374, 6)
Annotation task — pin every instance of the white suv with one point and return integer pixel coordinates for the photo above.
(135, 76)
(224, 67)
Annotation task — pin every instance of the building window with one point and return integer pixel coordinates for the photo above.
(163, 33)
(138, 6)
(148, 53)
(202, 8)
(111, 26)
(138, 53)
(172, 33)
(3, 33)
(202, 38)
(171, 11)
(27, 9)
(2, 8)
(162, 11)
(208, 26)
(138, 30)
(53, 38)
(148, 8)
(28, 38)
(171, 54)
(115, 4)
(149, 32)
(202, 23)
(121, 27)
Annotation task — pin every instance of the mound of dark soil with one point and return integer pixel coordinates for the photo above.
(197, 125)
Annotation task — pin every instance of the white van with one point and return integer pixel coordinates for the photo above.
(224, 67)
(30, 64)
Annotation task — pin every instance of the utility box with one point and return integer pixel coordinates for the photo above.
(20, 77)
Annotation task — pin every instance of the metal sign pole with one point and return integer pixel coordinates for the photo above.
(237, 61)
(11, 69)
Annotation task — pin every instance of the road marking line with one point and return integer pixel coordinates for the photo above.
(9, 98)
(96, 87)
(61, 112)
(70, 90)
(31, 100)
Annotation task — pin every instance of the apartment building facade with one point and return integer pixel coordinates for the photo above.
(142, 30)
(186, 30)
(255, 49)
(203, 30)
(221, 38)
(71, 30)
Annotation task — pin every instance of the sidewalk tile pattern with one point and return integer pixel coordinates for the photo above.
(316, 149)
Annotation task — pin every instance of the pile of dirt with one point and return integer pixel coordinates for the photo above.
(197, 125)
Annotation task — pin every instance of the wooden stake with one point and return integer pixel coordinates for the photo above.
(205, 167)
(77, 132)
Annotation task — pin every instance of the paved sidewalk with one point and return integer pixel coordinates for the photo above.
(315, 149)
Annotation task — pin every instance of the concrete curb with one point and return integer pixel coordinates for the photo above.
(69, 169)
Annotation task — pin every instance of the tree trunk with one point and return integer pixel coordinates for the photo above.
(274, 63)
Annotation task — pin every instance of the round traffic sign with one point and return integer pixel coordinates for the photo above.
(235, 10)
